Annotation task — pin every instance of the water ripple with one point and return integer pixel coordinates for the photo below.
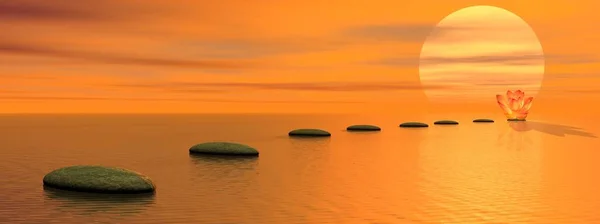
(473, 174)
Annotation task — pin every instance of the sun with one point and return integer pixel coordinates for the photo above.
(480, 51)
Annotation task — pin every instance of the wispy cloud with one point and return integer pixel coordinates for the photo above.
(574, 75)
(512, 59)
(453, 34)
(208, 100)
(570, 59)
(508, 83)
(585, 90)
(72, 10)
(253, 48)
(516, 59)
(391, 32)
(413, 32)
(358, 35)
(11, 10)
(332, 86)
(487, 79)
(10, 91)
(45, 10)
(34, 50)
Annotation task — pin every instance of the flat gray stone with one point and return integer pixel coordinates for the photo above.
(98, 179)
(363, 127)
(483, 120)
(309, 132)
(446, 122)
(223, 148)
(413, 125)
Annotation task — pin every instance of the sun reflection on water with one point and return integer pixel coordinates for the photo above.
(468, 177)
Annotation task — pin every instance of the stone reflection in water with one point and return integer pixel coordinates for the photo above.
(224, 187)
(216, 174)
(312, 147)
(517, 136)
(217, 167)
(98, 205)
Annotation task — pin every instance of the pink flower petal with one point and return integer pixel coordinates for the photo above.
(519, 94)
(502, 99)
(524, 110)
(514, 104)
(510, 94)
(526, 104)
(503, 103)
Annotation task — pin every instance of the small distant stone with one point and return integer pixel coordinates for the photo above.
(98, 179)
(414, 125)
(446, 122)
(363, 127)
(223, 148)
(309, 132)
(515, 119)
(483, 120)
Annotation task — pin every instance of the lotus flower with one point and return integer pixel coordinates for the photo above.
(514, 104)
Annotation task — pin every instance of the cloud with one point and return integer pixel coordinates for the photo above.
(513, 59)
(10, 91)
(209, 100)
(561, 76)
(419, 32)
(577, 91)
(33, 50)
(506, 84)
(331, 86)
(570, 59)
(451, 34)
(252, 48)
(432, 61)
(13, 76)
(396, 32)
(27, 10)
(519, 59)
(73, 10)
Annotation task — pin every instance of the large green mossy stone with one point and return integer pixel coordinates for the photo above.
(363, 127)
(446, 122)
(309, 132)
(413, 125)
(98, 179)
(483, 120)
(223, 148)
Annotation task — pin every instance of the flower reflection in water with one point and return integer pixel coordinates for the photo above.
(517, 135)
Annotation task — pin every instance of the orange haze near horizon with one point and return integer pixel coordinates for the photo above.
(233, 56)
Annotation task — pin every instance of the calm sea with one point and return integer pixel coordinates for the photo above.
(542, 171)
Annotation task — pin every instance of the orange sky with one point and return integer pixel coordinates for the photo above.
(229, 56)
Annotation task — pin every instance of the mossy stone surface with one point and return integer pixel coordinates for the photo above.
(446, 122)
(98, 179)
(309, 132)
(413, 124)
(483, 120)
(223, 148)
(363, 127)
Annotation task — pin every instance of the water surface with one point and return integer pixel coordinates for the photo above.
(541, 171)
